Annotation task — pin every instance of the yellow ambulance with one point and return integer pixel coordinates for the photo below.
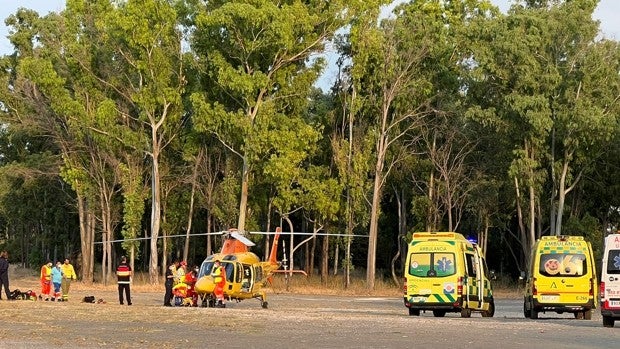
(610, 281)
(562, 278)
(444, 272)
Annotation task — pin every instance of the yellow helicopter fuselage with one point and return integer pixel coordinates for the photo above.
(244, 271)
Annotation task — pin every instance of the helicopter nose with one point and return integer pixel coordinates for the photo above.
(204, 285)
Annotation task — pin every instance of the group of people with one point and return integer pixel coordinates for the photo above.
(59, 276)
(178, 277)
(180, 281)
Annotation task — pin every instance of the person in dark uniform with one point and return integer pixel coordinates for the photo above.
(123, 274)
(170, 273)
(4, 274)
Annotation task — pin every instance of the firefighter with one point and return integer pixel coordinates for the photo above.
(46, 280)
(123, 274)
(219, 278)
(68, 274)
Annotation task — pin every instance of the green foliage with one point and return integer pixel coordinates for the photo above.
(98, 94)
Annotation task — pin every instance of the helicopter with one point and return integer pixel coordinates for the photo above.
(245, 273)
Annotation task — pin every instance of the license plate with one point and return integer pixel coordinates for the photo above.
(418, 299)
(549, 298)
(614, 304)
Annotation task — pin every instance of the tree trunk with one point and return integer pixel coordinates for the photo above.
(92, 221)
(336, 257)
(522, 232)
(155, 211)
(561, 199)
(325, 260)
(209, 229)
(243, 202)
(86, 240)
(312, 257)
(399, 201)
(431, 220)
(190, 214)
(374, 223)
(347, 277)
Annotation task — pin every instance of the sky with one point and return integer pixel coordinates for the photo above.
(607, 12)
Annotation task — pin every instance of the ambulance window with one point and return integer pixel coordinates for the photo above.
(471, 265)
(420, 264)
(444, 264)
(613, 262)
(563, 264)
(431, 264)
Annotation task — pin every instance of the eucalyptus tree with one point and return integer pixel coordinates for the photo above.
(148, 81)
(401, 68)
(546, 86)
(258, 57)
(58, 98)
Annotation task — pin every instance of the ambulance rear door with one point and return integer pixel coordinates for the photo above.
(473, 286)
(565, 277)
(611, 279)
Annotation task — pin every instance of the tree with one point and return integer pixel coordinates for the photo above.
(398, 68)
(149, 79)
(259, 62)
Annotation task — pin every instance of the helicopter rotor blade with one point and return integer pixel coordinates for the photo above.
(242, 238)
(161, 237)
(284, 233)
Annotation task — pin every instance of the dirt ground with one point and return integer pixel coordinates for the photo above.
(292, 320)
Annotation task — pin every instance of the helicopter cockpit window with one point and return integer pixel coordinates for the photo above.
(230, 271)
(205, 268)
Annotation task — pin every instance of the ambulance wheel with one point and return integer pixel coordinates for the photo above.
(489, 312)
(526, 313)
(439, 313)
(533, 313)
(465, 312)
(608, 321)
(414, 312)
(587, 314)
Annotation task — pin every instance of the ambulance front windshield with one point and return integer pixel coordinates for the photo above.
(613, 262)
(431, 264)
(563, 264)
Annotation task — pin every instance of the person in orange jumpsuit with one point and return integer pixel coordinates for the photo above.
(219, 278)
(46, 280)
(190, 280)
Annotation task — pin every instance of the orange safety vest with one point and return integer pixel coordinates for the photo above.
(218, 274)
(46, 273)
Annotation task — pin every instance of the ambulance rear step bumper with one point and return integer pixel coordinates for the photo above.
(615, 313)
(558, 307)
(456, 306)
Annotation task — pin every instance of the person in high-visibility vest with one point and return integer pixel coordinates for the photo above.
(219, 278)
(123, 274)
(46, 280)
(68, 274)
